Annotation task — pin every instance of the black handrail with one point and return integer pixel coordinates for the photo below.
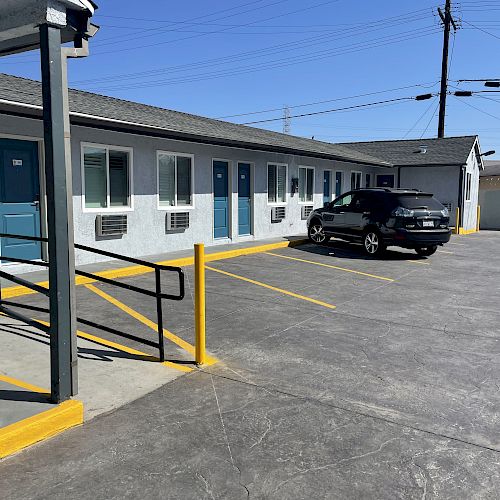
(157, 293)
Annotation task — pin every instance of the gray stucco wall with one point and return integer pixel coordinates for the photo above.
(147, 224)
(489, 200)
(442, 182)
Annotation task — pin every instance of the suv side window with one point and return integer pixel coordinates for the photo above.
(361, 203)
(343, 201)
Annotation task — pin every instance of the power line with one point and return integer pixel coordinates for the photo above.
(430, 121)
(419, 119)
(315, 56)
(274, 49)
(481, 29)
(357, 106)
(478, 109)
(327, 101)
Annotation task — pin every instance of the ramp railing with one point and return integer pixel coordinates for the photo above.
(157, 293)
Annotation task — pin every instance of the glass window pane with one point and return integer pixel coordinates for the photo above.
(94, 164)
(281, 183)
(118, 178)
(310, 183)
(183, 180)
(166, 177)
(271, 183)
(302, 184)
(338, 183)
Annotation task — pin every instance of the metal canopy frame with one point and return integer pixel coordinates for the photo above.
(73, 25)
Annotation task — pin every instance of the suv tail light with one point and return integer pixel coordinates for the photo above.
(402, 212)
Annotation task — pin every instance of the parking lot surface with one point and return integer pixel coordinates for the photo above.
(339, 376)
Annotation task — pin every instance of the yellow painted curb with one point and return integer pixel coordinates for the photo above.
(18, 291)
(31, 430)
(463, 231)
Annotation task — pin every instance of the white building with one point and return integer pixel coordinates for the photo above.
(148, 180)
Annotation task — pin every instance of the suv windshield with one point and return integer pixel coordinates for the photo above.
(415, 201)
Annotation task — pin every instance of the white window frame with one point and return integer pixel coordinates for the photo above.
(468, 186)
(313, 186)
(107, 147)
(360, 179)
(277, 203)
(173, 208)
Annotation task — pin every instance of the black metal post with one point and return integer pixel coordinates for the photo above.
(159, 314)
(63, 364)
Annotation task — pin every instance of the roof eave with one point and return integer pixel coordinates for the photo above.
(35, 111)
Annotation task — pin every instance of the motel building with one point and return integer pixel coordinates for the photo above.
(148, 181)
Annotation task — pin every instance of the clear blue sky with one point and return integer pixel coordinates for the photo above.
(237, 56)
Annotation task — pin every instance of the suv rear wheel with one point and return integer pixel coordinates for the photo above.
(426, 251)
(373, 243)
(316, 233)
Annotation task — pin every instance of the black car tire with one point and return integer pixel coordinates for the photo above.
(373, 244)
(426, 251)
(316, 234)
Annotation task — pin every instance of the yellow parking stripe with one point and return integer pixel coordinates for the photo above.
(280, 290)
(124, 348)
(137, 270)
(24, 385)
(151, 324)
(330, 266)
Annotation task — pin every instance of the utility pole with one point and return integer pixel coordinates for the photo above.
(287, 121)
(448, 21)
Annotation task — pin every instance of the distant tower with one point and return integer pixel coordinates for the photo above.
(287, 120)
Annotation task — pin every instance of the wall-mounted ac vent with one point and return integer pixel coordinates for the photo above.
(448, 205)
(111, 225)
(177, 220)
(278, 214)
(306, 211)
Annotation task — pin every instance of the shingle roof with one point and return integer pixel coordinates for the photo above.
(491, 167)
(22, 90)
(447, 151)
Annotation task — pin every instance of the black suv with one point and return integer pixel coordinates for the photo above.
(380, 217)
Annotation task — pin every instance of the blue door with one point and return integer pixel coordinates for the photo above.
(326, 187)
(244, 200)
(338, 184)
(221, 200)
(385, 180)
(19, 198)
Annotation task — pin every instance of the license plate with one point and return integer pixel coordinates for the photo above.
(428, 223)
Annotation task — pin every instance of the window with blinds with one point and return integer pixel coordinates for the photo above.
(306, 184)
(175, 186)
(276, 183)
(106, 177)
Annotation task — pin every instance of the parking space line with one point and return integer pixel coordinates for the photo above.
(124, 348)
(444, 251)
(345, 269)
(146, 321)
(418, 262)
(269, 287)
(22, 384)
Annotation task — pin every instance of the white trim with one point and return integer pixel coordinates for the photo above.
(276, 203)
(360, 179)
(229, 236)
(173, 208)
(313, 186)
(252, 195)
(108, 209)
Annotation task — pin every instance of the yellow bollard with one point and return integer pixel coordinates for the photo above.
(457, 221)
(199, 302)
(478, 218)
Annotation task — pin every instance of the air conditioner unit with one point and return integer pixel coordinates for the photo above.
(177, 220)
(278, 214)
(111, 225)
(306, 211)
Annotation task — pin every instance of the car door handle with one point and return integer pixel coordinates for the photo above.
(366, 213)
